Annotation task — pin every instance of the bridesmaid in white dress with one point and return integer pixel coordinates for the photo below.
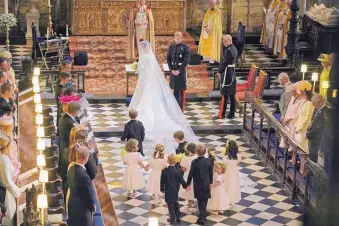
(157, 164)
(6, 175)
(219, 201)
(185, 167)
(232, 179)
(133, 178)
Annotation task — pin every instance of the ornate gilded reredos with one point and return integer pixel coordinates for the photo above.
(99, 17)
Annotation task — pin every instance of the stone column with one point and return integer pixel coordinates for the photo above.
(292, 48)
(6, 6)
(32, 15)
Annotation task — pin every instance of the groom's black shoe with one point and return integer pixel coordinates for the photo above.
(142, 153)
(231, 116)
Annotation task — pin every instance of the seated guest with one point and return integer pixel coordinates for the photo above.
(68, 95)
(3, 78)
(316, 127)
(6, 176)
(81, 199)
(78, 137)
(66, 123)
(62, 83)
(66, 66)
(293, 111)
(7, 105)
(6, 67)
(285, 96)
(6, 127)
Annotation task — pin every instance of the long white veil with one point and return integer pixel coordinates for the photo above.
(157, 108)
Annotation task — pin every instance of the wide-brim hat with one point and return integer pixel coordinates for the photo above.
(6, 55)
(324, 58)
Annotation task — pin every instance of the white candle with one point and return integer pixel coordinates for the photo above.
(49, 2)
(66, 29)
(6, 6)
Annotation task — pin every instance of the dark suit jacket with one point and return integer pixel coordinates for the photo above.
(315, 131)
(91, 168)
(171, 178)
(202, 174)
(5, 107)
(181, 148)
(81, 198)
(134, 129)
(229, 57)
(66, 123)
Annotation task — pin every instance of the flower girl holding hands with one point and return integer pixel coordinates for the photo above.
(185, 167)
(232, 179)
(133, 178)
(157, 163)
(219, 201)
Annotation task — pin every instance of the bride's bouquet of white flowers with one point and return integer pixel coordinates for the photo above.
(7, 20)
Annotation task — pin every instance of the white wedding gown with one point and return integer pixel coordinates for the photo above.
(157, 108)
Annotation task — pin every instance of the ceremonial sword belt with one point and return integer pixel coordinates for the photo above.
(223, 83)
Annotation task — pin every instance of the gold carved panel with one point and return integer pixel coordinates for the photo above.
(99, 17)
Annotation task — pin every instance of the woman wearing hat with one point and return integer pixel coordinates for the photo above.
(306, 112)
(325, 74)
(6, 127)
(6, 175)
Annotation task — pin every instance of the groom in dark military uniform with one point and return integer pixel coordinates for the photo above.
(177, 60)
(227, 77)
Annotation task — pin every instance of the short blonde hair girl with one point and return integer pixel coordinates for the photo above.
(159, 151)
(132, 145)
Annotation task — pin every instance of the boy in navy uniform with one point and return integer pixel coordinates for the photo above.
(171, 178)
(202, 174)
(134, 129)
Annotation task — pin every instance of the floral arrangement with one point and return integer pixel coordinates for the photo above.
(180, 157)
(123, 152)
(7, 20)
(213, 153)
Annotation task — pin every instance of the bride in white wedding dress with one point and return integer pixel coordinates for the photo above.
(157, 108)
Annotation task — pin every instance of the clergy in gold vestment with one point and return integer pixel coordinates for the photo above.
(140, 28)
(285, 27)
(211, 33)
(268, 26)
(283, 6)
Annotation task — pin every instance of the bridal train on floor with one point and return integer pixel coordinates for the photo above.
(157, 108)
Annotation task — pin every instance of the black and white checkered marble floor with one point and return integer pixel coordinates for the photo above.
(199, 114)
(265, 204)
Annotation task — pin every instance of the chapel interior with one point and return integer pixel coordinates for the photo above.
(296, 37)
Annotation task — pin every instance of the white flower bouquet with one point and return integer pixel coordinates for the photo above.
(7, 20)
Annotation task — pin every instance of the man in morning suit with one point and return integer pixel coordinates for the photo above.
(202, 174)
(134, 129)
(177, 60)
(317, 125)
(285, 96)
(7, 105)
(66, 123)
(226, 71)
(171, 179)
(81, 198)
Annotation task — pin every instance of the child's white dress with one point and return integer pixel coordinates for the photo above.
(232, 180)
(219, 200)
(133, 178)
(153, 184)
(186, 162)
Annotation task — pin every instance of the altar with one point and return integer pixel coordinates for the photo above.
(109, 17)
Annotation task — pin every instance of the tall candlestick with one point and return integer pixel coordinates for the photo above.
(6, 6)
